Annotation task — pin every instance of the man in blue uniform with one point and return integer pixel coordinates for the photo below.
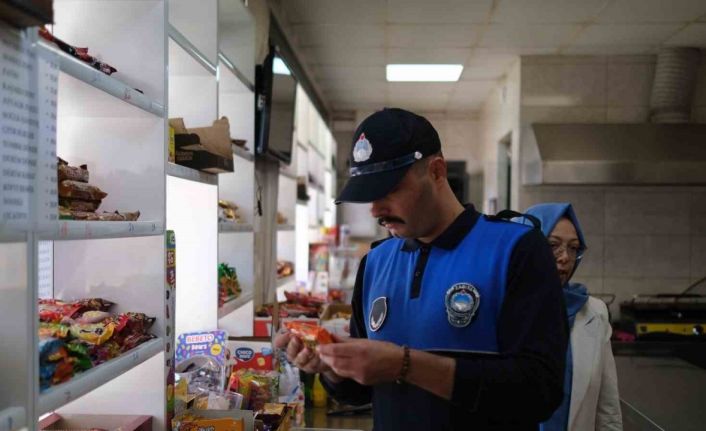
(458, 318)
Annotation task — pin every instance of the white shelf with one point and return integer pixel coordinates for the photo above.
(225, 227)
(180, 171)
(81, 229)
(12, 418)
(240, 75)
(106, 83)
(285, 227)
(191, 49)
(234, 304)
(85, 382)
(284, 282)
(243, 153)
(288, 174)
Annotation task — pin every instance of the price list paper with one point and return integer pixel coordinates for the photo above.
(28, 133)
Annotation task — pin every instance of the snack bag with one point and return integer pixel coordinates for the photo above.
(310, 334)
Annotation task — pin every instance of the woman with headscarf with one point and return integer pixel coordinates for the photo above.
(591, 400)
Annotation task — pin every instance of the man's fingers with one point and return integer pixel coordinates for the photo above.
(293, 348)
(345, 348)
(282, 340)
(340, 365)
(303, 358)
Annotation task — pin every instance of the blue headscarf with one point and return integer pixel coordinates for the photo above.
(575, 296)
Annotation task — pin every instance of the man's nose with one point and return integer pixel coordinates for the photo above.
(377, 208)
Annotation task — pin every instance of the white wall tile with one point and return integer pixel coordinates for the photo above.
(627, 114)
(629, 84)
(647, 212)
(697, 212)
(592, 263)
(647, 256)
(698, 257)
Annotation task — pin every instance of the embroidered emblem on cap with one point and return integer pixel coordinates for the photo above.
(462, 301)
(362, 149)
(378, 313)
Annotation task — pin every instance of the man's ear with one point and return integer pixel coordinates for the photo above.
(437, 168)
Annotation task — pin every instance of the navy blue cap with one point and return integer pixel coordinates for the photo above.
(385, 145)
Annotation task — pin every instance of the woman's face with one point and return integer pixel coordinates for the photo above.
(565, 245)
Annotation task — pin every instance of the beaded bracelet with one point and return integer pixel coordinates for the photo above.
(405, 366)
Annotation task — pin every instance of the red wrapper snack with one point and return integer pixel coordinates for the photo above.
(310, 334)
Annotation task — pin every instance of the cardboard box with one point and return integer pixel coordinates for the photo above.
(86, 422)
(256, 355)
(330, 310)
(191, 153)
(211, 421)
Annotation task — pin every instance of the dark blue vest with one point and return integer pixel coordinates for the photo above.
(480, 259)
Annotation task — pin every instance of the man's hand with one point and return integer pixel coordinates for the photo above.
(368, 362)
(301, 356)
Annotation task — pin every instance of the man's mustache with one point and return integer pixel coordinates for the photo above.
(384, 220)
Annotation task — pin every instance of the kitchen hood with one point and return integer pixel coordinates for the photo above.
(666, 151)
(642, 153)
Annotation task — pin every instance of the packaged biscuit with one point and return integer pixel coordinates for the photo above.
(310, 334)
(78, 190)
(78, 204)
(66, 172)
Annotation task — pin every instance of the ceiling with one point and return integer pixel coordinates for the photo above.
(347, 43)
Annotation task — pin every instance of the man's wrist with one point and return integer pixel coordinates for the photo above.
(332, 377)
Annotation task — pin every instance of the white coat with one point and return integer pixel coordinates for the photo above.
(595, 403)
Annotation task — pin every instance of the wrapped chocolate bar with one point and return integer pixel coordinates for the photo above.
(78, 190)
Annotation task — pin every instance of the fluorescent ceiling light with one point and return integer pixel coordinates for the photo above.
(424, 72)
(279, 68)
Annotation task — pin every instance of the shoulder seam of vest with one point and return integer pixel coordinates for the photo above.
(378, 242)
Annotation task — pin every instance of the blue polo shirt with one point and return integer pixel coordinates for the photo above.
(485, 292)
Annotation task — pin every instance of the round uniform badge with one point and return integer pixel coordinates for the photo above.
(378, 313)
(462, 301)
(362, 149)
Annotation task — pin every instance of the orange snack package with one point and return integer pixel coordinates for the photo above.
(312, 335)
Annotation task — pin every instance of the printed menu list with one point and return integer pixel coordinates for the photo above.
(28, 132)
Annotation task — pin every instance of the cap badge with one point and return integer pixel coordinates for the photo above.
(462, 301)
(362, 149)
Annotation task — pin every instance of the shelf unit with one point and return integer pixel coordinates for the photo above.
(87, 117)
(192, 196)
(236, 101)
(118, 126)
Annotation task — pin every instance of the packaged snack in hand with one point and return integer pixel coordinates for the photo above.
(312, 335)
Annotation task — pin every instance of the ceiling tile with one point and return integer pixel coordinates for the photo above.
(432, 36)
(428, 55)
(652, 11)
(631, 34)
(610, 49)
(520, 36)
(351, 56)
(438, 12)
(335, 11)
(419, 105)
(693, 35)
(488, 66)
(359, 36)
(328, 76)
(416, 90)
(547, 11)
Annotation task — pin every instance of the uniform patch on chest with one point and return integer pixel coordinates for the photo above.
(462, 301)
(378, 313)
